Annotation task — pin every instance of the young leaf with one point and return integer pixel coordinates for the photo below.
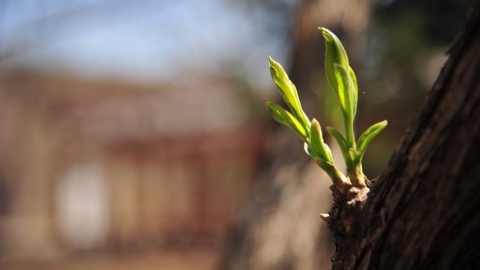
(346, 92)
(353, 154)
(329, 152)
(342, 143)
(355, 90)
(334, 54)
(308, 149)
(317, 143)
(289, 92)
(285, 118)
(368, 136)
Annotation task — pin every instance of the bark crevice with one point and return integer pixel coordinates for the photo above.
(422, 212)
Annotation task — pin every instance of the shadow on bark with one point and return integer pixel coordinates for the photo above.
(423, 211)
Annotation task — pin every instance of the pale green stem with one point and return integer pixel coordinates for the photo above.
(349, 133)
(339, 179)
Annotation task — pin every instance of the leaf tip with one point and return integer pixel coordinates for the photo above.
(383, 124)
(271, 61)
(273, 68)
(327, 34)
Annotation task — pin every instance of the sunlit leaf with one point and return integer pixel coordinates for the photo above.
(368, 136)
(308, 149)
(354, 93)
(346, 92)
(352, 154)
(342, 143)
(288, 91)
(335, 54)
(284, 117)
(329, 152)
(317, 143)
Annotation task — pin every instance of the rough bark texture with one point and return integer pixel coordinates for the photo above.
(423, 212)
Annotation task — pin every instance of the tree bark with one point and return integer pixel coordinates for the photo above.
(422, 213)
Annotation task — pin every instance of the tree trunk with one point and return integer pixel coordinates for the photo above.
(280, 229)
(422, 213)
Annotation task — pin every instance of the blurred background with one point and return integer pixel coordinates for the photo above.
(133, 133)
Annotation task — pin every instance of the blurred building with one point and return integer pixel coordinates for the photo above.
(104, 164)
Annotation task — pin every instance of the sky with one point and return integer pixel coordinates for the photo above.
(140, 40)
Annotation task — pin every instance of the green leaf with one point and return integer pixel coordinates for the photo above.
(285, 118)
(368, 136)
(334, 54)
(308, 149)
(317, 144)
(289, 92)
(329, 152)
(353, 154)
(342, 143)
(346, 92)
(355, 91)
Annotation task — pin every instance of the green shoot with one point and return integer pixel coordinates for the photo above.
(343, 81)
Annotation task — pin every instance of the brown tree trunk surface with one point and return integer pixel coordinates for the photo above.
(424, 210)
